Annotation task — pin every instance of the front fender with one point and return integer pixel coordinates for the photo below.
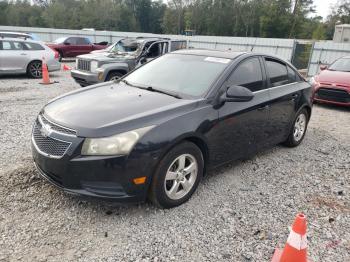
(110, 67)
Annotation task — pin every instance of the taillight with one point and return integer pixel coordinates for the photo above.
(57, 55)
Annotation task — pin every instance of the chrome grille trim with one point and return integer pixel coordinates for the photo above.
(56, 127)
(48, 146)
(83, 65)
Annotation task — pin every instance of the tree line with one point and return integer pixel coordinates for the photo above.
(251, 18)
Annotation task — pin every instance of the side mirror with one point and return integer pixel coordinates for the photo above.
(323, 67)
(238, 94)
(66, 43)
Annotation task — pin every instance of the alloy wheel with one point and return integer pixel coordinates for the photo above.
(35, 69)
(181, 176)
(299, 127)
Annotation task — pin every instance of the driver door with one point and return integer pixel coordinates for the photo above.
(155, 50)
(242, 126)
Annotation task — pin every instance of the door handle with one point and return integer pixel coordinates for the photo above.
(23, 54)
(263, 108)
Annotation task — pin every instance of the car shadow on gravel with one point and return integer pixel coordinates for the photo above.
(334, 107)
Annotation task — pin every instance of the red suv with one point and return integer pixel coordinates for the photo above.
(74, 46)
(332, 84)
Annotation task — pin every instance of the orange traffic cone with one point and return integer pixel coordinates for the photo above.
(45, 74)
(295, 249)
(66, 68)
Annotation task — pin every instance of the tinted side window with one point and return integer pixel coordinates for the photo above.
(12, 45)
(33, 46)
(292, 76)
(248, 74)
(277, 72)
(6, 45)
(71, 40)
(83, 41)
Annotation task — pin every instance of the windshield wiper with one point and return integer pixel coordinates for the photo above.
(150, 88)
(127, 83)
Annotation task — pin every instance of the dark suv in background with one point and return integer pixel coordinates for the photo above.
(74, 46)
(126, 54)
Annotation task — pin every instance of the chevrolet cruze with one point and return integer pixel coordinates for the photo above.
(154, 133)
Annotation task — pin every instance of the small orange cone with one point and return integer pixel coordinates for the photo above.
(45, 74)
(295, 249)
(66, 68)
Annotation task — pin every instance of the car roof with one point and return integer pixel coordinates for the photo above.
(213, 53)
(21, 40)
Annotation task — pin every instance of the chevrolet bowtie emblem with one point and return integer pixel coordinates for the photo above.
(45, 130)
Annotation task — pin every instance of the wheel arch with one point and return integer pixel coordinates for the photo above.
(307, 108)
(196, 139)
(34, 60)
(123, 71)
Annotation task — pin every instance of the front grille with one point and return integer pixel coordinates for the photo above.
(57, 128)
(83, 65)
(335, 95)
(46, 145)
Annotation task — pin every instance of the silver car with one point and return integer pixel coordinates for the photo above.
(20, 56)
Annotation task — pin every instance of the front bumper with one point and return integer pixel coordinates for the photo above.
(53, 65)
(85, 78)
(102, 177)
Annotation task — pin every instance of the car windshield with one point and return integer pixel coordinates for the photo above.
(190, 75)
(342, 64)
(60, 40)
(124, 46)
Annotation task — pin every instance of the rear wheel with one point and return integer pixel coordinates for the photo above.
(114, 76)
(299, 129)
(177, 176)
(34, 69)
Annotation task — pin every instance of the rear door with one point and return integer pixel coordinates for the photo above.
(14, 57)
(242, 126)
(284, 92)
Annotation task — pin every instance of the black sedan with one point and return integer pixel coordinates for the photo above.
(156, 132)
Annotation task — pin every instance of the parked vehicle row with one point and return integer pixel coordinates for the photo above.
(154, 133)
(121, 58)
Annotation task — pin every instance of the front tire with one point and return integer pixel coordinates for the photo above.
(298, 131)
(177, 176)
(114, 76)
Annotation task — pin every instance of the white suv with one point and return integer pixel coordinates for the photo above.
(20, 56)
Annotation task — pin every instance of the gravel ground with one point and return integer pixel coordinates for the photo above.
(240, 212)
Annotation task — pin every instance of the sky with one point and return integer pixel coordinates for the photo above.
(323, 7)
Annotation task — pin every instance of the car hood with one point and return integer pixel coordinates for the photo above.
(107, 56)
(108, 109)
(334, 77)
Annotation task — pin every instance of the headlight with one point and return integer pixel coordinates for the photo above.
(313, 81)
(120, 144)
(93, 66)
